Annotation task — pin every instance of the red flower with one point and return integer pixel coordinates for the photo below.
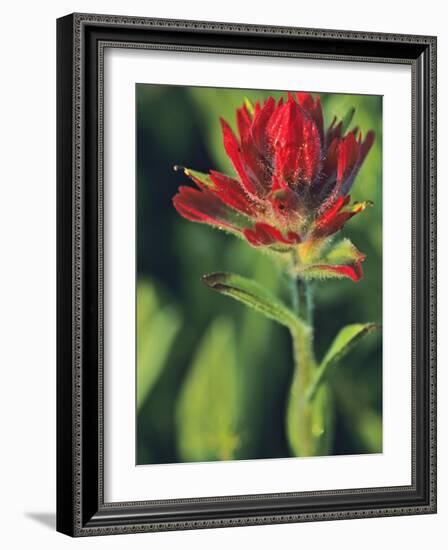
(293, 181)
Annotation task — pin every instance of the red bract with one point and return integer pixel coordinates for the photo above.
(293, 180)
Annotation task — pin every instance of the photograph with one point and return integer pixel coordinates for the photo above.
(258, 274)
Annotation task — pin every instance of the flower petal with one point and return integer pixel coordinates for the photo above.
(314, 110)
(334, 218)
(296, 143)
(324, 222)
(351, 152)
(334, 131)
(244, 122)
(364, 148)
(232, 148)
(255, 166)
(353, 272)
(203, 207)
(342, 260)
(324, 184)
(227, 189)
(261, 119)
(265, 234)
(272, 125)
(231, 193)
(348, 156)
(367, 144)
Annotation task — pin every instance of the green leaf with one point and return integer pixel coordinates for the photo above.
(208, 407)
(345, 340)
(157, 327)
(252, 295)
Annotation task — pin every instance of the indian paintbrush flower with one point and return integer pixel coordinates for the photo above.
(290, 196)
(291, 190)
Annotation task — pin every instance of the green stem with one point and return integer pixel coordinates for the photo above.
(308, 421)
(299, 420)
(303, 300)
(305, 363)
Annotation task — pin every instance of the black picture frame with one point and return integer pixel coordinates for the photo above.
(81, 510)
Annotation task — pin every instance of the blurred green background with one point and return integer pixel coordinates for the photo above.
(213, 376)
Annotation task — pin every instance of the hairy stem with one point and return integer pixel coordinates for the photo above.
(303, 300)
(305, 363)
(306, 420)
(299, 413)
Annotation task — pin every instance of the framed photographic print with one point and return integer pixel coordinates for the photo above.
(246, 274)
